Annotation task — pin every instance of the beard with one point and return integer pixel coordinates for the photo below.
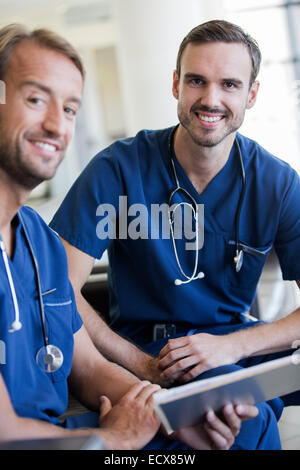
(208, 137)
(18, 166)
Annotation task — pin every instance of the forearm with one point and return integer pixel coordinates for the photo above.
(27, 428)
(92, 375)
(268, 338)
(113, 346)
(106, 379)
(20, 428)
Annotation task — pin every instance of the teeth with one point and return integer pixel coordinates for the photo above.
(210, 119)
(45, 146)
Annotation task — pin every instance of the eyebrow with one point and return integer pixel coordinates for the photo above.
(190, 75)
(48, 90)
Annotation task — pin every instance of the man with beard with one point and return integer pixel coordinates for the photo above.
(184, 305)
(45, 341)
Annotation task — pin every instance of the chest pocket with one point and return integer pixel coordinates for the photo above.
(59, 324)
(253, 262)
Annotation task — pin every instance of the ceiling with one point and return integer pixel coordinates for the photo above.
(84, 22)
(26, 7)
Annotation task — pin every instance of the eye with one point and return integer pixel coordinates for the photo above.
(35, 100)
(229, 85)
(196, 81)
(71, 111)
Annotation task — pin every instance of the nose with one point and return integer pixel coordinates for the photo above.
(210, 97)
(54, 120)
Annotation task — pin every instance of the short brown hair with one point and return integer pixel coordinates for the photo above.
(14, 34)
(222, 31)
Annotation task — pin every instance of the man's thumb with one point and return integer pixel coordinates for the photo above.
(105, 405)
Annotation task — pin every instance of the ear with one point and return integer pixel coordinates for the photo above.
(252, 94)
(175, 88)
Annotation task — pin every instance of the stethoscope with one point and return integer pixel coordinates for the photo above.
(49, 357)
(239, 248)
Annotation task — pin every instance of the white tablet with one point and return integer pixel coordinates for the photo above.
(187, 404)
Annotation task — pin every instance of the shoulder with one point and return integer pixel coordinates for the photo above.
(41, 235)
(130, 149)
(263, 163)
(48, 250)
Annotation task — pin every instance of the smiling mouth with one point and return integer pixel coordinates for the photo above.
(43, 145)
(205, 118)
(48, 147)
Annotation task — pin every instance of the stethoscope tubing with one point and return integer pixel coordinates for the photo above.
(49, 357)
(238, 259)
(38, 281)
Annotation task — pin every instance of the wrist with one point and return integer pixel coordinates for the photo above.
(148, 369)
(245, 342)
(114, 440)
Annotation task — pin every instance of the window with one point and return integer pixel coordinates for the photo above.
(275, 119)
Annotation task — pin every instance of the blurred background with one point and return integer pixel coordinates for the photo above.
(129, 48)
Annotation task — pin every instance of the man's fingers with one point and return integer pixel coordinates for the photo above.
(172, 357)
(146, 392)
(232, 419)
(173, 344)
(105, 406)
(134, 391)
(246, 411)
(141, 391)
(218, 441)
(219, 432)
(183, 370)
(173, 372)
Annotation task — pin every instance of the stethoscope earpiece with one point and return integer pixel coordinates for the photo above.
(178, 282)
(15, 326)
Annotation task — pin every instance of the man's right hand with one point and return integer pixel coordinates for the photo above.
(132, 422)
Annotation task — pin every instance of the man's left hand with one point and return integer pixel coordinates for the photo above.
(185, 358)
(217, 433)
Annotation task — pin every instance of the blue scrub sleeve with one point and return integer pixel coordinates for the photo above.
(99, 183)
(287, 242)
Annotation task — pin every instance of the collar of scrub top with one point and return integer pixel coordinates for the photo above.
(238, 258)
(49, 357)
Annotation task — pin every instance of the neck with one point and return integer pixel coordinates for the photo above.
(200, 163)
(12, 198)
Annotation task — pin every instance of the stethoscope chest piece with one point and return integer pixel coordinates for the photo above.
(238, 259)
(49, 358)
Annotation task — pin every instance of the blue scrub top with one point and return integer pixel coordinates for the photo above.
(34, 393)
(142, 271)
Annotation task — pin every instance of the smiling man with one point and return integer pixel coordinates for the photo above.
(214, 86)
(34, 132)
(212, 104)
(186, 307)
